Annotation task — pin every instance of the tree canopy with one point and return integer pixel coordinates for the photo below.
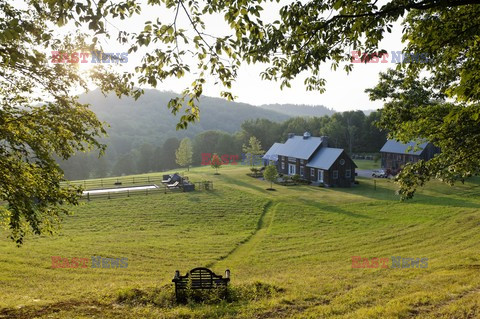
(253, 149)
(184, 153)
(216, 162)
(270, 174)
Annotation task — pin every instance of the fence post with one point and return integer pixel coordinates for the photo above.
(133, 179)
(374, 184)
(88, 196)
(101, 182)
(108, 193)
(128, 193)
(146, 191)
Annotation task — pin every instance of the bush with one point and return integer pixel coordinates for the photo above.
(296, 178)
(255, 172)
(161, 297)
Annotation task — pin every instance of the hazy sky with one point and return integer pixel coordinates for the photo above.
(343, 91)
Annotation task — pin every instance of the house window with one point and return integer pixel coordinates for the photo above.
(292, 159)
(320, 175)
(348, 173)
(312, 172)
(335, 174)
(283, 166)
(301, 171)
(291, 169)
(342, 162)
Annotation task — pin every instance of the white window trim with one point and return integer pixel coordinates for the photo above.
(312, 172)
(348, 173)
(292, 171)
(320, 174)
(335, 174)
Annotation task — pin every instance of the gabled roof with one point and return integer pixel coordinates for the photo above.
(300, 147)
(393, 146)
(272, 153)
(325, 157)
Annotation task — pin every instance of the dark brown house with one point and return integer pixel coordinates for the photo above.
(395, 154)
(312, 159)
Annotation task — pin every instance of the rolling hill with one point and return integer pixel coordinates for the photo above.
(148, 120)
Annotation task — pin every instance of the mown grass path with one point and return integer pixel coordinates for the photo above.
(241, 252)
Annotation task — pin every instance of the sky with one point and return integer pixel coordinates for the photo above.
(343, 91)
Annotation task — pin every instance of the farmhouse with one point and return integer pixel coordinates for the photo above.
(312, 159)
(396, 154)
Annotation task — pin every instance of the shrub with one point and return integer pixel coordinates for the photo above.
(164, 296)
(161, 297)
(296, 178)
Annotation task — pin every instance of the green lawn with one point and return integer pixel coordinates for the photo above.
(367, 164)
(298, 240)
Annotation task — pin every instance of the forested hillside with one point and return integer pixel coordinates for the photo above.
(140, 130)
(142, 135)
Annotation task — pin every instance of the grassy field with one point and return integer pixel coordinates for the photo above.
(289, 251)
(367, 164)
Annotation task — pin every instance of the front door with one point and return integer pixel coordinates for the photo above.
(291, 169)
(320, 175)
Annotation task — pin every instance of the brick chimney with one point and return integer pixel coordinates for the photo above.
(324, 141)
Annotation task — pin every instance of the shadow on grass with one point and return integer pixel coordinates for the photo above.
(88, 308)
(237, 182)
(447, 201)
(368, 190)
(386, 194)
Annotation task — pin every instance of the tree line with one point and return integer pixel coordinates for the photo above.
(353, 131)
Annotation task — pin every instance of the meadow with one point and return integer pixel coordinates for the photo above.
(368, 164)
(289, 251)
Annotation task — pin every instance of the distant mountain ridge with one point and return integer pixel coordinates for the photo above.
(150, 120)
(299, 109)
